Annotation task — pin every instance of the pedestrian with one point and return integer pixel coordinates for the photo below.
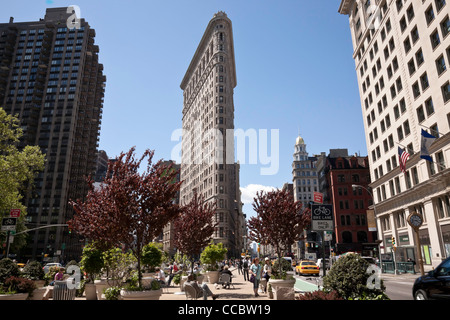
(267, 271)
(239, 266)
(160, 275)
(204, 289)
(226, 271)
(59, 276)
(245, 266)
(173, 271)
(255, 270)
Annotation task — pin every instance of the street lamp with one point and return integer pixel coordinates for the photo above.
(375, 211)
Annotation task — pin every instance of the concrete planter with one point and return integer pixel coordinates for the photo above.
(200, 279)
(147, 280)
(141, 295)
(16, 296)
(100, 285)
(283, 289)
(39, 283)
(38, 294)
(213, 276)
(90, 290)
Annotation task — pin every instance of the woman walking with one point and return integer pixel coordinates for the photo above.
(255, 271)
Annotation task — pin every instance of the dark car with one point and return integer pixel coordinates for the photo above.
(435, 284)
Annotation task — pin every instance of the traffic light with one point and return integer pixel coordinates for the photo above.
(393, 241)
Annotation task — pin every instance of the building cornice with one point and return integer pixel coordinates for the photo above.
(345, 6)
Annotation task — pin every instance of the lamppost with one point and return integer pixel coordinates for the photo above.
(375, 212)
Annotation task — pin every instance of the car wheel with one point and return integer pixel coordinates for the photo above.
(420, 295)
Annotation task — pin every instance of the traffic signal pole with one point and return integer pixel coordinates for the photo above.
(323, 249)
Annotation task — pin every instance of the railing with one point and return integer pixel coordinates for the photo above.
(402, 267)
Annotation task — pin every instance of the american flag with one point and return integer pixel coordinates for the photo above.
(403, 157)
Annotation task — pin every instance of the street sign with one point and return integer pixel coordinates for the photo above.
(9, 224)
(322, 217)
(318, 197)
(328, 236)
(14, 213)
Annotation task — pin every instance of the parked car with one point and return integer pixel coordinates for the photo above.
(51, 264)
(435, 284)
(307, 267)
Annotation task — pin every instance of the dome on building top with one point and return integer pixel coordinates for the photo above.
(299, 140)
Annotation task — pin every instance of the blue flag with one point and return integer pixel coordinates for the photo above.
(425, 142)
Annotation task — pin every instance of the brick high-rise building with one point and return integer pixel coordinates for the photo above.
(207, 163)
(51, 79)
(401, 60)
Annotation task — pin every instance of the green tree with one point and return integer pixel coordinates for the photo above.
(152, 256)
(18, 168)
(212, 254)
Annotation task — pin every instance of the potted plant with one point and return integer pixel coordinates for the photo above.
(92, 263)
(7, 269)
(349, 278)
(33, 271)
(17, 288)
(112, 293)
(117, 266)
(210, 256)
(280, 277)
(133, 291)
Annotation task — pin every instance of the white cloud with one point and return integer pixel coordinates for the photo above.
(249, 192)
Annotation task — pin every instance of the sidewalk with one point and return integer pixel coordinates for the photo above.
(242, 290)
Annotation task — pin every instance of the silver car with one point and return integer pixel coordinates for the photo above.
(52, 264)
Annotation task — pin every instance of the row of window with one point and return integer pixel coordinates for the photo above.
(441, 206)
(411, 177)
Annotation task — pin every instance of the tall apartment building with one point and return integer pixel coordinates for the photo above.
(51, 79)
(207, 162)
(401, 63)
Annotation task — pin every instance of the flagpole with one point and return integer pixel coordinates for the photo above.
(441, 134)
(443, 167)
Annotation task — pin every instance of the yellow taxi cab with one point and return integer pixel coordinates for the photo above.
(307, 267)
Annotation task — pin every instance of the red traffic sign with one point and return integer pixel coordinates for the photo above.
(318, 197)
(14, 213)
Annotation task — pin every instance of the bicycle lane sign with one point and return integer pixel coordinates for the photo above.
(322, 217)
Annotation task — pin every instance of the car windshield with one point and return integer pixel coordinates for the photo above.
(308, 263)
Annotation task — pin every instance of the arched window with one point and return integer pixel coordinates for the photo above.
(362, 236)
(347, 237)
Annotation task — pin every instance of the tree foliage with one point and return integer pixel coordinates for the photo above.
(129, 208)
(348, 277)
(212, 254)
(279, 220)
(18, 168)
(152, 255)
(194, 227)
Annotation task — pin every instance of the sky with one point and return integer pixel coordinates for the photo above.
(294, 66)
